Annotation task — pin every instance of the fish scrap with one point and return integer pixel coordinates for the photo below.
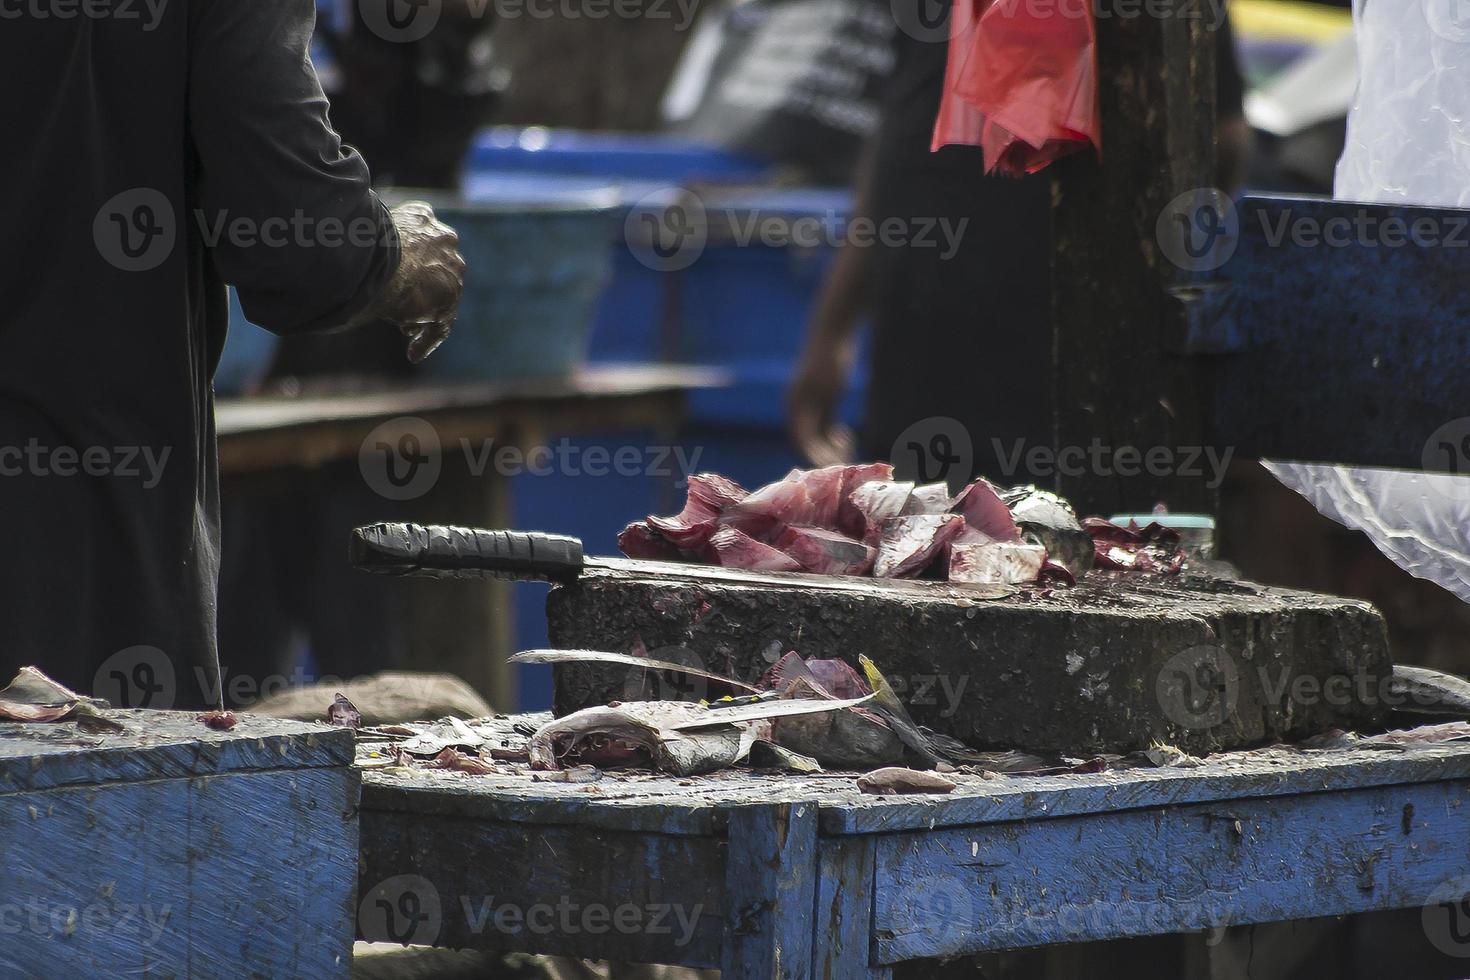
(858, 520)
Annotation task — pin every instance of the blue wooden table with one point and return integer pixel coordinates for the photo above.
(173, 850)
(767, 875)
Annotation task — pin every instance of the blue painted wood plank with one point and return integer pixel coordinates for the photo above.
(770, 892)
(238, 875)
(162, 745)
(470, 883)
(1166, 870)
(1281, 773)
(843, 939)
(1370, 297)
(660, 804)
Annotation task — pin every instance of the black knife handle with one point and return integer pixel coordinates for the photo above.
(465, 552)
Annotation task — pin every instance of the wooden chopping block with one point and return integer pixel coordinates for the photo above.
(1113, 665)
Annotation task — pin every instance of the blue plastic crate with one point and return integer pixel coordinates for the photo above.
(538, 256)
(640, 156)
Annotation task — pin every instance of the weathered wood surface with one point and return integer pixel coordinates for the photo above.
(874, 880)
(1151, 872)
(843, 944)
(177, 851)
(162, 745)
(700, 806)
(1109, 666)
(263, 434)
(770, 891)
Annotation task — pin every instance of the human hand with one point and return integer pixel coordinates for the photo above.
(423, 296)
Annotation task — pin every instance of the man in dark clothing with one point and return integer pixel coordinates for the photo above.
(160, 152)
(963, 336)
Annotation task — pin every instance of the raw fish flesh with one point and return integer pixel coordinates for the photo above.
(996, 563)
(986, 513)
(1129, 549)
(910, 544)
(735, 549)
(875, 503)
(826, 552)
(640, 540)
(932, 498)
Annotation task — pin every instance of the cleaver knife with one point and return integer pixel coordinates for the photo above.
(476, 553)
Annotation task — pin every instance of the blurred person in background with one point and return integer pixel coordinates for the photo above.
(410, 85)
(962, 334)
(140, 143)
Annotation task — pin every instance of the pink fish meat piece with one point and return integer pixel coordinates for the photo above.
(685, 536)
(910, 544)
(804, 497)
(984, 511)
(850, 519)
(640, 540)
(709, 496)
(996, 563)
(875, 502)
(715, 492)
(735, 549)
(826, 552)
(931, 498)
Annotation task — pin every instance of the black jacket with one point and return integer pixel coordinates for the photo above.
(153, 152)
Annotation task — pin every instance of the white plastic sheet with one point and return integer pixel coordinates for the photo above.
(1408, 143)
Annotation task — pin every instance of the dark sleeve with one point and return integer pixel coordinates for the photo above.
(314, 246)
(1229, 86)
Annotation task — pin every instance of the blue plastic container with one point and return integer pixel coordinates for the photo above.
(538, 254)
(248, 354)
(638, 156)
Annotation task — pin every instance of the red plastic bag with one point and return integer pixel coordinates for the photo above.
(1021, 82)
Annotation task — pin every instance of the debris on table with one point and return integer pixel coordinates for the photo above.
(343, 714)
(218, 719)
(456, 761)
(895, 781)
(32, 696)
(857, 520)
(821, 711)
(1154, 548)
(1420, 691)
